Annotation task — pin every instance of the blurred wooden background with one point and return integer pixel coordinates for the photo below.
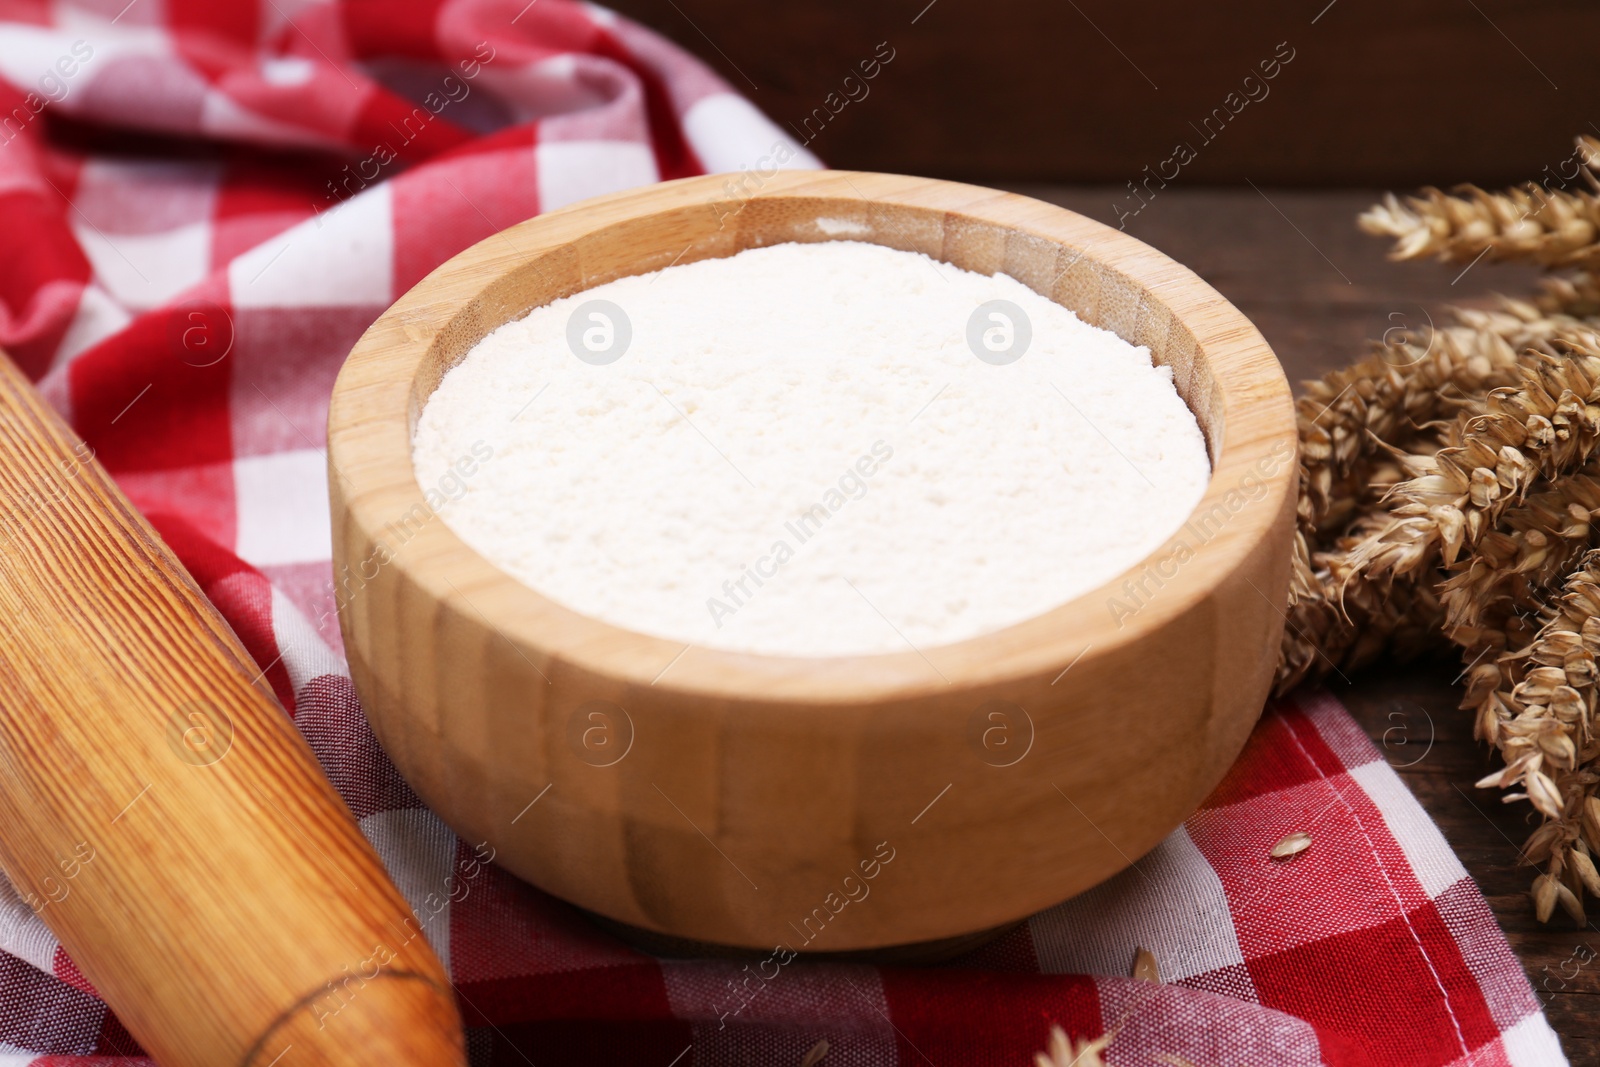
(999, 91)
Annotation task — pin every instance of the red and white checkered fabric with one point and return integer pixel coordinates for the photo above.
(203, 206)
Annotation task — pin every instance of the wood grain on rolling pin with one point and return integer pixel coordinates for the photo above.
(160, 810)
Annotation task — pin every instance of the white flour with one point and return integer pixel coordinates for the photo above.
(799, 453)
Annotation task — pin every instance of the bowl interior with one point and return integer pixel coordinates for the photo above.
(1072, 277)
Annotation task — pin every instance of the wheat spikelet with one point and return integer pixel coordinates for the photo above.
(1577, 295)
(1493, 599)
(1350, 423)
(1380, 588)
(1537, 705)
(1523, 325)
(1531, 223)
(1390, 397)
(1545, 426)
(1450, 490)
(1063, 1051)
(1334, 632)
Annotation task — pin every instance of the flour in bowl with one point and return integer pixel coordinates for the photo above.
(812, 450)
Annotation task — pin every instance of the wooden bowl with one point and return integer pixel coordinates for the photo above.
(821, 804)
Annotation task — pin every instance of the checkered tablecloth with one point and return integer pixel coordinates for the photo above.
(203, 205)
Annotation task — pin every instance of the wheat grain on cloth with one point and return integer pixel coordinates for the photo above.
(272, 175)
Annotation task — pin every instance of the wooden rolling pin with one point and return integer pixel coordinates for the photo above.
(159, 809)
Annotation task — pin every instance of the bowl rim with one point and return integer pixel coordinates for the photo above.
(372, 479)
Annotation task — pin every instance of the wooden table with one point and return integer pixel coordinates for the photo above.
(1095, 90)
(1319, 289)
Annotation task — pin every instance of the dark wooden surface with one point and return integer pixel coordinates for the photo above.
(1295, 263)
(1094, 90)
